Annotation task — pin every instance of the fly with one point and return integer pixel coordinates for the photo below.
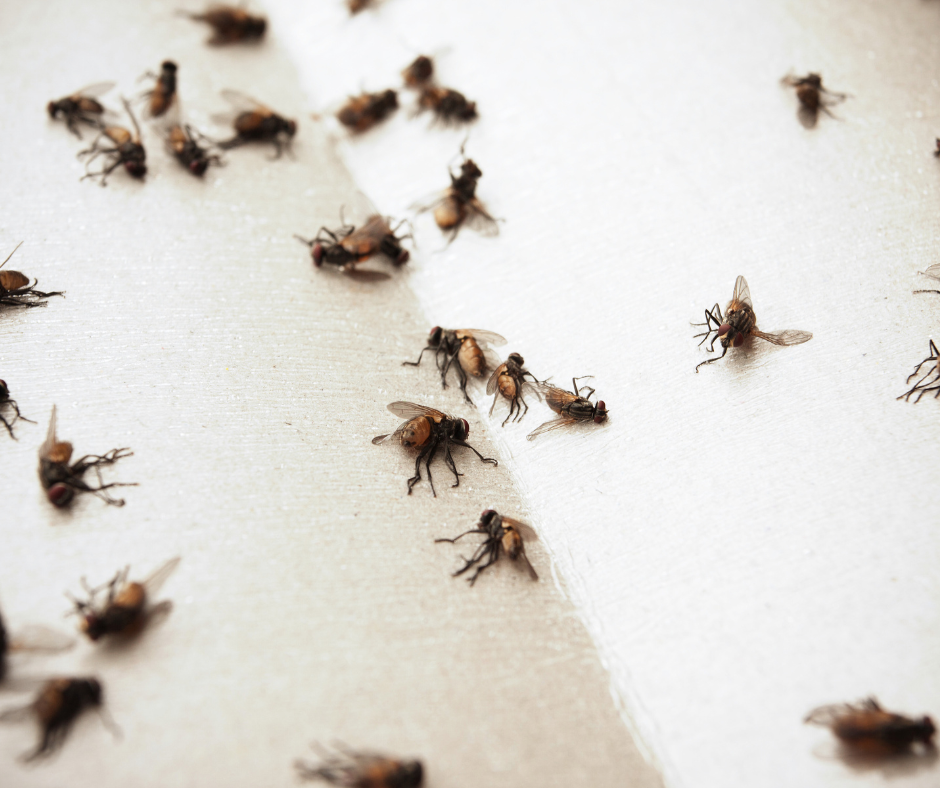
(571, 406)
(127, 150)
(867, 728)
(503, 534)
(509, 380)
(461, 349)
(6, 399)
(15, 289)
(81, 107)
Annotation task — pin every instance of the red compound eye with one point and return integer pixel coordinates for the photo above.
(466, 427)
(60, 494)
(723, 329)
(318, 255)
(738, 340)
(403, 258)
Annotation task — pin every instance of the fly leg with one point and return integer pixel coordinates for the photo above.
(493, 558)
(425, 451)
(465, 533)
(418, 362)
(711, 360)
(712, 315)
(13, 401)
(468, 446)
(449, 459)
(8, 426)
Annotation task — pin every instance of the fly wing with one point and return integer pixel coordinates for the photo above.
(367, 239)
(548, 426)
(784, 337)
(47, 445)
(480, 335)
(480, 221)
(931, 272)
(410, 410)
(742, 293)
(95, 90)
(826, 715)
(430, 202)
(528, 564)
(39, 638)
(17, 714)
(159, 575)
(526, 531)
(494, 379)
(244, 103)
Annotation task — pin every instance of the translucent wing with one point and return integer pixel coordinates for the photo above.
(548, 426)
(933, 271)
(494, 379)
(409, 410)
(482, 336)
(17, 714)
(827, 715)
(479, 220)
(784, 337)
(528, 565)
(50, 441)
(526, 531)
(244, 103)
(159, 575)
(742, 292)
(95, 90)
(431, 201)
(39, 638)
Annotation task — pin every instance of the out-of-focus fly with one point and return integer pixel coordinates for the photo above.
(32, 638)
(184, 143)
(15, 289)
(360, 113)
(350, 769)
(257, 123)
(6, 399)
(868, 729)
(502, 534)
(813, 97)
(231, 24)
(348, 246)
(127, 150)
(81, 107)
(572, 407)
(161, 97)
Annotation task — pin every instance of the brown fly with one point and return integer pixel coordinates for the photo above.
(231, 24)
(81, 107)
(458, 205)
(6, 399)
(32, 638)
(61, 480)
(56, 707)
(161, 97)
(572, 407)
(429, 430)
(868, 729)
(350, 769)
(813, 97)
(126, 608)
(186, 144)
(449, 106)
(503, 534)
(459, 348)
(360, 113)
(348, 246)
(15, 289)
(418, 73)
(509, 380)
(738, 323)
(930, 381)
(257, 123)
(126, 150)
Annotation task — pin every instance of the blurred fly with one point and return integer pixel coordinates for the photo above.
(418, 73)
(738, 323)
(360, 113)
(61, 480)
(231, 24)
(15, 289)
(509, 380)
(6, 399)
(257, 123)
(127, 150)
(930, 381)
(185, 143)
(126, 608)
(459, 348)
(572, 406)
(868, 729)
(81, 107)
(503, 534)
(350, 769)
(429, 430)
(163, 94)
(813, 97)
(449, 106)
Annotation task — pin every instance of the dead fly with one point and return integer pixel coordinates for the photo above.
(502, 534)
(419, 72)
(127, 150)
(6, 399)
(458, 204)
(355, 6)
(126, 608)
(15, 289)
(738, 323)
(81, 107)
(163, 94)
(32, 638)
(55, 708)
(509, 379)
(428, 430)
(256, 123)
(570, 406)
(813, 97)
(184, 144)
(460, 348)
(351, 769)
(61, 481)
(930, 381)
(449, 106)
(868, 729)
(360, 113)
(932, 272)
(231, 24)
(348, 246)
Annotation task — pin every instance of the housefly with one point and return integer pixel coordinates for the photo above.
(930, 381)
(458, 205)
(570, 406)
(81, 107)
(32, 638)
(61, 480)
(127, 607)
(15, 289)
(6, 399)
(867, 728)
(163, 94)
(419, 72)
(429, 430)
(503, 534)
(127, 150)
(449, 106)
(256, 123)
(509, 380)
(813, 97)
(185, 143)
(738, 323)
(932, 272)
(360, 113)
(459, 348)
(348, 246)
(350, 769)
(56, 707)
(231, 24)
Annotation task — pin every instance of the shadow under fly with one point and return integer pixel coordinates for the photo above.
(15, 289)
(459, 348)
(930, 381)
(6, 399)
(429, 430)
(502, 534)
(509, 380)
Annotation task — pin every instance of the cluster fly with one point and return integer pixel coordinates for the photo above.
(738, 323)
(126, 608)
(61, 480)
(509, 380)
(255, 122)
(868, 729)
(15, 289)
(360, 113)
(503, 534)
(458, 204)
(813, 97)
(33, 638)
(56, 707)
(231, 24)
(6, 399)
(930, 381)
(185, 143)
(572, 406)
(459, 348)
(81, 107)
(161, 97)
(127, 150)
(350, 769)
(429, 430)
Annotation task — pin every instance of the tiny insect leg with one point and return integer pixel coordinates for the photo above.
(465, 533)
(711, 360)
